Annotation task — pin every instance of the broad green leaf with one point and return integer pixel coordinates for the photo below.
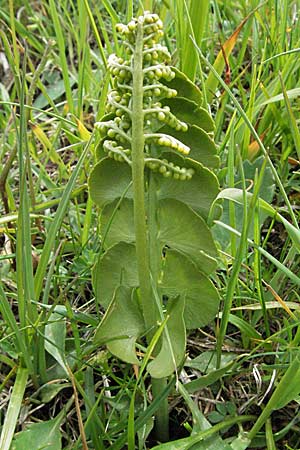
(40, 436)
(240, 443)
(179, 228)
(209, 378)
(180, 276)
(184, 87)
(109, 180)
(121, 325)
(198, 193)
(203, 148)
(53, 91)
(189, 112)
(124, 348)
(173, 341)
(50, 390)
(245, 327)
(118, 267)
(115, 268)
(119, 223)
(183, 230)
(55, 335)
(215, 417)
(78, 316)
(206, 361)
(267, 188)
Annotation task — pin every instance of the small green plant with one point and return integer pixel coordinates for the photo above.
(154, 189)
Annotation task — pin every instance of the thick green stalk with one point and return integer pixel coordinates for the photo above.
(162, 414)
(141, 235)
(138, 142)
(158, 384)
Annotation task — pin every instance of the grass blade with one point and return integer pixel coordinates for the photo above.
(55, 225)
(269, 436)
(198, 12)
(62, 53)
(292, 121)
(256, 136)
(10, 320)
(292, 276)
(13, 409)
(294, 50)
(236, 195)
(96, 33)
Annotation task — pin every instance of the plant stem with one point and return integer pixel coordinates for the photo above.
(162, 414)
(141, 236)
(138, 164)
(158, 384)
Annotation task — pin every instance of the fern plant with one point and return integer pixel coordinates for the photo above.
(154, 186)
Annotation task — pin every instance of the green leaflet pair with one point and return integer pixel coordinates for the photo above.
(155, 125)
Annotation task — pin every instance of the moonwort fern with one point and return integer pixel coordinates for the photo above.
(154, 186)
